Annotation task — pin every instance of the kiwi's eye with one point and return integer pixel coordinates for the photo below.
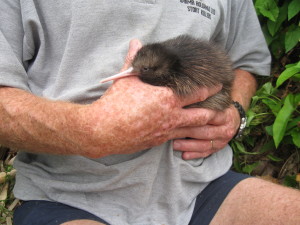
(145, 69)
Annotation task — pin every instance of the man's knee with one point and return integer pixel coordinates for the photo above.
(255, 201)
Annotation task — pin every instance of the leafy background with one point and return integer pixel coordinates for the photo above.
(270, 147)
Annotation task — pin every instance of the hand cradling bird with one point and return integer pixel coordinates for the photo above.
(184, 64)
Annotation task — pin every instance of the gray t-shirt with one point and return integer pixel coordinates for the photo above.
(62, 49)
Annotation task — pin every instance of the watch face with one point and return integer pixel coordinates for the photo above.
(243, 123)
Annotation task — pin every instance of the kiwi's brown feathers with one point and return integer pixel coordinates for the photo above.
(184, 64)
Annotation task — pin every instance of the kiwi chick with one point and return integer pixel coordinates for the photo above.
(184, 64)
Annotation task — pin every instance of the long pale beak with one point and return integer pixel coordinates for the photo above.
(125, 73)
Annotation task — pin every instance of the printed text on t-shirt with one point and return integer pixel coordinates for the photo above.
(199, 7)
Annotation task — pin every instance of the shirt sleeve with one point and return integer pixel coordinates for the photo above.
(242, 38)
(13, 54)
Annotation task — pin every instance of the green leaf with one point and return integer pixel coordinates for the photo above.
(297, 65)
(254, 100)
(286, 74)
(274, 158)
(290, 181)
(266, 89)
(294, 8)
(274, 26)
(268, 36)
(293, 123)
(250, 116)
(292, 37)
(249, 168)
(269, 130)
(237, 164)
(277, 47)
(268, 146)
(249, 140)
(296, 136)
(240, 148)
(275, 106)
(267, 8)
(280, 124)
(297, 99)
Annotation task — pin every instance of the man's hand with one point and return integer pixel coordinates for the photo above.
(211, 137)
(218, 131)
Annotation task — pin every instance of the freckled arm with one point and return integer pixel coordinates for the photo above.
(244, 87)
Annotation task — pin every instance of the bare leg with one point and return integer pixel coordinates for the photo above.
(82, 222)
(255, 201)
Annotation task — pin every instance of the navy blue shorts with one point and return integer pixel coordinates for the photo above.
(52, 213)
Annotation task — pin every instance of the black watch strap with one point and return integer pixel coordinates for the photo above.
(243, 116)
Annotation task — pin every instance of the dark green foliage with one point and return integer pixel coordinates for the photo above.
(271, 144)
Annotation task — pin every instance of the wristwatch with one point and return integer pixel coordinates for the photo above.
(243, 116)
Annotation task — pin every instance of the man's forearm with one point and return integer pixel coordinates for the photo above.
(244, 87)
(39, 125)
(121, 122)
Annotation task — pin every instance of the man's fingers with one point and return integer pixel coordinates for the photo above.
(192, 145)
(200, 95)
(197, 132)
(221, 117)
(194, 148)
(199, 145)
(195, 117)
(134, 46)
